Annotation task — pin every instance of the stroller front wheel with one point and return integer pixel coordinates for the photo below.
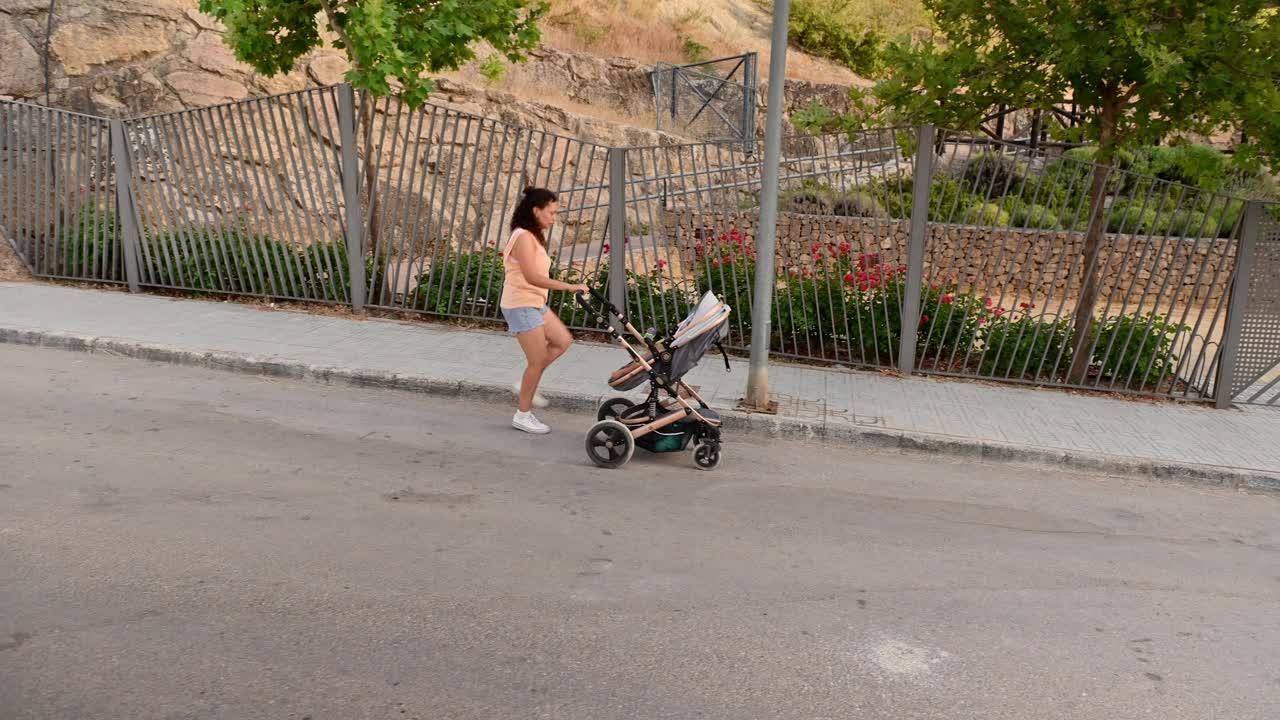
(707, 454)
(610, 444)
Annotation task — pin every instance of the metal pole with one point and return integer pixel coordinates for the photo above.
(351, 195)
(125, 209)
(766, 239)
(921, 180)
(618, 227)
(1224, 391)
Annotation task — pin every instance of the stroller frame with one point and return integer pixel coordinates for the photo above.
(657, 424)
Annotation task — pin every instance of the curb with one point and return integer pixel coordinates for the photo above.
(736, 421)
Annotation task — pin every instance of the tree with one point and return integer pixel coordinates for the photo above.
(1138, 70)
(385, 41)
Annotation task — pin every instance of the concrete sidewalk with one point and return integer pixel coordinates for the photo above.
(977, 420)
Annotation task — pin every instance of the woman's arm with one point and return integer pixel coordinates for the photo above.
(524, 254)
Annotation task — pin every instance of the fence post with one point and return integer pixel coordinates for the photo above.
(618, 227)
(749, 105)
(351, 195)
(921, 180)
(125, 209)
(1237, 304)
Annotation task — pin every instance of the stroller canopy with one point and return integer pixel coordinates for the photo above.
(706, 325)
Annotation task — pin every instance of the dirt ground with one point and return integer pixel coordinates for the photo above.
(11, 267)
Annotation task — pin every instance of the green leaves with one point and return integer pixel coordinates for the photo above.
(393, 45)
(1139, 70)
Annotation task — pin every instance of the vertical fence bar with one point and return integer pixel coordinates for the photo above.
(921, 180)
(1223, 392)
(618, 227)
(351, 195)
(125, 209)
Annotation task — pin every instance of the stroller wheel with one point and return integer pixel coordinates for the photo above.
(610, 444)
(707, 454)
(613, 408)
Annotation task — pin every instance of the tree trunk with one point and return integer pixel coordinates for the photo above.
(1082, 323)
(372, 227)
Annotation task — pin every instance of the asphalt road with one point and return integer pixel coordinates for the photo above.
(178, 543)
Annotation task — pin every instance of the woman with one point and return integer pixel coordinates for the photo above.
(524, 300)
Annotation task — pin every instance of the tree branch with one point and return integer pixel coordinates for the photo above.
(331, 14)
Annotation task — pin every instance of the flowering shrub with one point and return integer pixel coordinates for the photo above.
(726, 266)
(1136, 350)
(1018, 345)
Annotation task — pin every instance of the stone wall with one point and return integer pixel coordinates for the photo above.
(1026, 263)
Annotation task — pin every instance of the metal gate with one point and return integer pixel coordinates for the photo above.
(712, 100)
(1251, 353)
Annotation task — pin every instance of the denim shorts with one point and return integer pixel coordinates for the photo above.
(523, 319)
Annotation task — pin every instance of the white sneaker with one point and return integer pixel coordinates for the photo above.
(527, 422)
(538, 400)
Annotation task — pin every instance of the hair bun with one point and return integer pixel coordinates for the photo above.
(529, 189)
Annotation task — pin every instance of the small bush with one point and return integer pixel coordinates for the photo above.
(493, 69)
(1001, 174)
(465, 283)
(1026, 347)
(1136, 351)
(984, 213)
(694, 51)
(727, 268)
(825, 29)
(1031, 216)
(1131, 217)
(949, 322)
(90, 246)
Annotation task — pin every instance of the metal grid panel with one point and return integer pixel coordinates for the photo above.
(243, 198)
(440, 188)
(57, 193)
(713, 100)
(1256, 379)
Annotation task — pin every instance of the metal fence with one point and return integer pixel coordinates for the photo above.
(58, 194)
(712, 100)
(964, 259)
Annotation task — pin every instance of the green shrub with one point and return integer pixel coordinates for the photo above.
(1188, 223)
(90, 246)
(493, 69)
(949, 322)
(465, 283)
(811, 308)
(1031, 216)
(983, 213)
(825, 28)
(1025, 347)
(1136, 351)
(992, 171)
(727, 268)
(1132, 217)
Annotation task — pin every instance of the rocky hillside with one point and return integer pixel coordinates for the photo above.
(136, 57)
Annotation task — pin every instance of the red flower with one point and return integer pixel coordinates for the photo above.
(848, 278)
(845, 247)
(793, 272)
(988, 302)
(715, 263)
(947, 299)
(605, 247)
(862, 287)
(902, 268)
(662, 264)
(1000, 311)
(862, 276)
(1025, 306)
(875, 282)
(923, 319)
(982, 321)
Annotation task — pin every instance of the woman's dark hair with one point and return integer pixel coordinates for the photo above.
(523, 218)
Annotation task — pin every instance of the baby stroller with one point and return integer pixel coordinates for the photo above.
(659, 424)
